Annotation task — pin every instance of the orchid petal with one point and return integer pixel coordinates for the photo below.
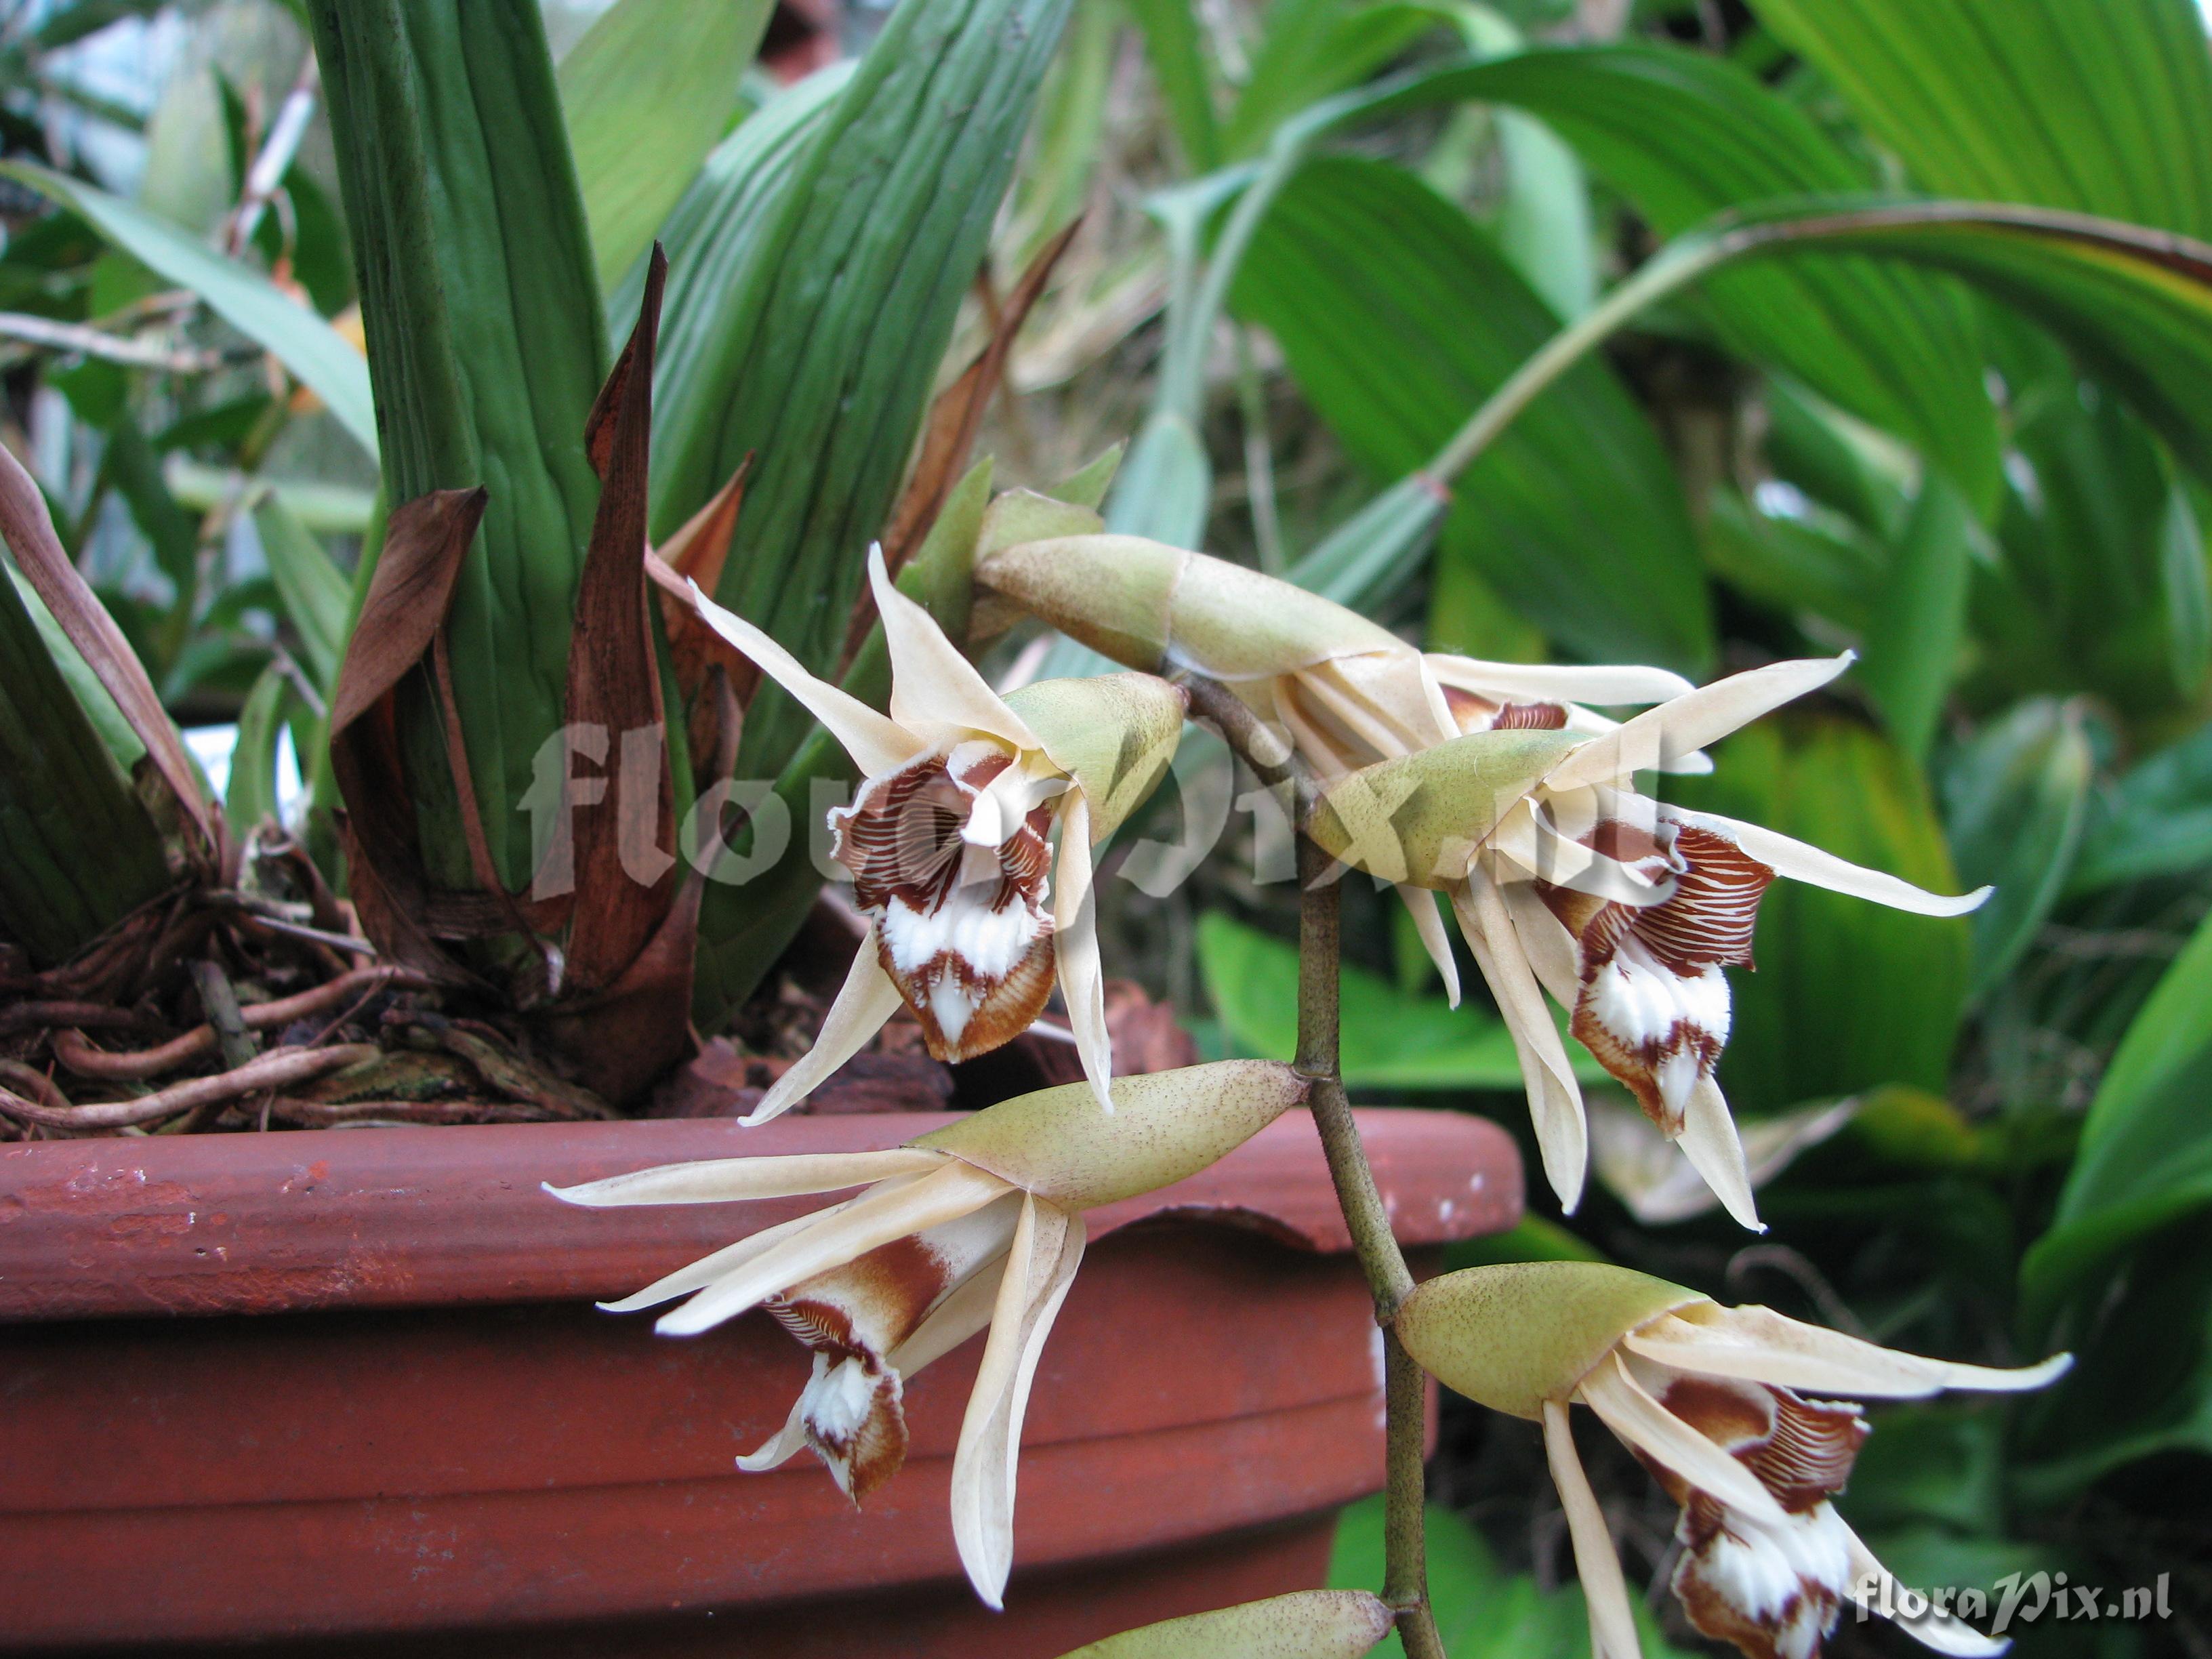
(1612, 1618)
(1710, 1141)
(1555, 1100)
(699, 1274)
(1546, 682)
(1526, 839)
(1800, 861)
(1039, 1267)
(786, 1442)
(1429, 924)
(876, 742)
(1075, 949)
(931, 683)
(1545, 941)
(1645, 1425)
(868, 997)
(1939, 1630)
(730, 1180)
(874, 1218)
(1762, 1346)
(1693, 720)
(952, 1321)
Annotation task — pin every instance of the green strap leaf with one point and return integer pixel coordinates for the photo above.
(2145, 1157)
(1685, 136)
(316, 596)
(1397, 314)
(2015, 800)
(1919, 617)
(818, 356)
(2101, 106)
(650, 90)
(316, 353)
(488, 347)
(81, 850)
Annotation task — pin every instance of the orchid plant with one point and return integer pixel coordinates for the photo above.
(1501, 785)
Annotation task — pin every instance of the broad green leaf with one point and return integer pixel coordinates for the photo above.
(2014, 800)
(488, 350)
(2145, 1160)
(1180, 65)
(1812, 559)
(820, 357)
(1848, 995)
(1686, 135)
(1391, 1040)
(1308, 49)
(2099, 587)
(2101, 106)
(80, 850)
(1918, 622)
(316, 353)
(316, 596)
(651, 88)
(2155, 821)
(1398, 315)
(2134, 305)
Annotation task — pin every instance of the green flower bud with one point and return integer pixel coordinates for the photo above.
(1514, 1336)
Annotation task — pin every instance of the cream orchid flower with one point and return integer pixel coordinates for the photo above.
(1349, 692)
(1736, 1411)
(945, 838)
(975, 1226)
(1625, 909)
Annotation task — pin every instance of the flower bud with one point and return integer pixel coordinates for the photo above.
(1306, 1624)
(1418, 819)
(1512, 1337)
(1151, 605)
(1165, 1126)
(1115, 734)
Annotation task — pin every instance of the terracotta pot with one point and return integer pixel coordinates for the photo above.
(390, 1420)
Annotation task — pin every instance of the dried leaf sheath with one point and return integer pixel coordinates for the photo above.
(614, 687)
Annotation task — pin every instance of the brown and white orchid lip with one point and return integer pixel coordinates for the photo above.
(1774, 1588)
(855, 1317)
(1652, 1004)
(961, 925)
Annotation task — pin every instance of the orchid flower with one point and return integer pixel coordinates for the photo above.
(1349, 692)
(975, 1226)
(1746, 1417)
(945, 838)
(1563, 878)
(1625, 910)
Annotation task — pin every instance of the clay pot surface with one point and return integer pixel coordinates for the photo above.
(391, 1421)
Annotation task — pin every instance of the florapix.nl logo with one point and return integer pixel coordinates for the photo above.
(2015, 1599)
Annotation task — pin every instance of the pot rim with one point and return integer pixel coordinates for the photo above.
(429, 1217)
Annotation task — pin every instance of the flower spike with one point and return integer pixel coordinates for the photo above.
(1499, 785)
(1738, 1414)
(976, 1227)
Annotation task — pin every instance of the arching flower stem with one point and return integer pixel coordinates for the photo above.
(1406, 1577)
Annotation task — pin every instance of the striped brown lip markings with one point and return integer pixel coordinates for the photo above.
(961, 925)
